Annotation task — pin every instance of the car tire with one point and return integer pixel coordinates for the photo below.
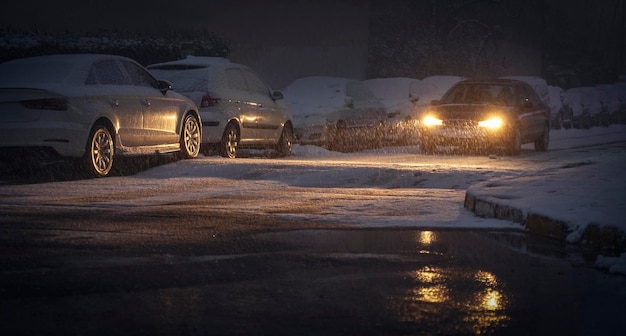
(190, 137)
(285, 143)
(100, 151)
(541, 144)
(514, 145)
(230, 141)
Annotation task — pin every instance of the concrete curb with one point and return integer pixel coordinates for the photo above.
(604, 238)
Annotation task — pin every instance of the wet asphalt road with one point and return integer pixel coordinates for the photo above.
(65, 272)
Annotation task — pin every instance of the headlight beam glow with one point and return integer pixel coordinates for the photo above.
(432, 121)
(492, 123)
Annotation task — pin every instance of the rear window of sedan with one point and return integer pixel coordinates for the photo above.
(185, 78)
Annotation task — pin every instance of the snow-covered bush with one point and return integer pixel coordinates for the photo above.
(144, 49)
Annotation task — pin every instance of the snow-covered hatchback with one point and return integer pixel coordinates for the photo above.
(238, 109)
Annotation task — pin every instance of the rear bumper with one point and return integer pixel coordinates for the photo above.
(66, 139)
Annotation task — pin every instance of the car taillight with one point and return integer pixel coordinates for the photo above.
(209, 99)
(56, 104)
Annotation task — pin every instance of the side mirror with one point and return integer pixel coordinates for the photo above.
(164, 86)
(413, 99)
(276, 95)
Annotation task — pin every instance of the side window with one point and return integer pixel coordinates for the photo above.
(139, 76)
(235, 79)
(256, 84)
(360, 92)
(106, 73)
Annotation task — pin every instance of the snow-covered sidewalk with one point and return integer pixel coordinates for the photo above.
(581, 200)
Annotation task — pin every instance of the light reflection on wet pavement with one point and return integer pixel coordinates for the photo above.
(469, 283)
(330, 282)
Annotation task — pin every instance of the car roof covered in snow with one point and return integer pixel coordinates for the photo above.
(189, 61)
(70, 69)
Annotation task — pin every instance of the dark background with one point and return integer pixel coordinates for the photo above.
(570, 43)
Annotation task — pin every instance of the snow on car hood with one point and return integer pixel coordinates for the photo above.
(315, 96)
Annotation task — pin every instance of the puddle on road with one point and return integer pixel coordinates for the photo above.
(391, 245)
(388, 243)
(457, 281)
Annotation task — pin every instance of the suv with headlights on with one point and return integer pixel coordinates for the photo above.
(488, 115)
(238, 109)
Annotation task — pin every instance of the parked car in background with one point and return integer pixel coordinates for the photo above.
(487, 114)
(593, 112)
(598, 105)
(560, 109)
(399, 96)
(432, 88)
(336, 113)
(610, 96)
(621, 89)
(238, 109)
(580, 117)
(93, 107)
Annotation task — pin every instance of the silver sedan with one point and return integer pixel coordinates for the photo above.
(92, 107)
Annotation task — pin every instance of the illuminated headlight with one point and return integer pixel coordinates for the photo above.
(492, 123)
(431, 121)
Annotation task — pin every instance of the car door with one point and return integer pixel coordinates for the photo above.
(241, 97)
(270, 115)
(367, 110)
(118, 99)
(533, 113)
(161, 112)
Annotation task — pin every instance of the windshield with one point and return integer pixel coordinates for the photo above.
(480, 93)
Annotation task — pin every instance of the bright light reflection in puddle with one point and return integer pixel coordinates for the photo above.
(428, 274)
(434, 294)
(426, 237)
(444, 293)
(491, 300)
(486, 278)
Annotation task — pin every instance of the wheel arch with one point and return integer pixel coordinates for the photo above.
(108, 124)
(234, 121)
(181, 122)
(289, 124)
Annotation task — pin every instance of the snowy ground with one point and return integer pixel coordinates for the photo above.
(424, 191)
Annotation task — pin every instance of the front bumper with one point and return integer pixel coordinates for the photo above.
(464, 136)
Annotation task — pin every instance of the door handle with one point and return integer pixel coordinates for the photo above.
(146, 102)
(115, 102)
